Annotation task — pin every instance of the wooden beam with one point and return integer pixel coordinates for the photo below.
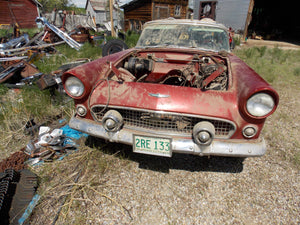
(111, 8)
(248, 20)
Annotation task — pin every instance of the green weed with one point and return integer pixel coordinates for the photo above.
(65, 54)
(261, 50)
(297, 159)
(6, 32)
(297, 71)
(249, 53)
(3, 90)
(90, 51)
(49, 64)
(273, 64)
(131, 39)
(9, 32)
(237, 41)
(17, 108)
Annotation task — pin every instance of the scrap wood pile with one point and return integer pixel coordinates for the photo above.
(18, 54)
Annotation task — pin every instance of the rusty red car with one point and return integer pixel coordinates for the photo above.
(180, 90)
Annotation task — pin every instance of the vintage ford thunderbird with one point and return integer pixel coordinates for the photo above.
(180, 90)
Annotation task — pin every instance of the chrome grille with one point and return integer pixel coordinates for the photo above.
(161, 122)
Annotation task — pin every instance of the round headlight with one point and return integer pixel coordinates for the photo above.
(74, 86)
(260, 104)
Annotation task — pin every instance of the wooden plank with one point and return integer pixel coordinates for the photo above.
(31, 47)
(248, 20)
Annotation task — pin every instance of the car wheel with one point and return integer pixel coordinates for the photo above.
(113, 46)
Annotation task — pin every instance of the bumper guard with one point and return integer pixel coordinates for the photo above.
(219, 147)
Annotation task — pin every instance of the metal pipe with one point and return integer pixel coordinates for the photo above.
(70, 41)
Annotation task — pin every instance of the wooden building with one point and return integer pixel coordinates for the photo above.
(137, 12)
(22, 12)
(98, 10)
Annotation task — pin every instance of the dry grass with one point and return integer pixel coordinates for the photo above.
(17, 108)
(78, 188)
(118, 187)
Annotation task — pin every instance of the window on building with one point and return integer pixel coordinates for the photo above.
(160, 12)
(177, 11)
(207, 9)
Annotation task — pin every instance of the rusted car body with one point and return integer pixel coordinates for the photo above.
(174, 93)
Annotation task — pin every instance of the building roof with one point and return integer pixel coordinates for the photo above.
(37, 3)
(97, 5)
(134, 3)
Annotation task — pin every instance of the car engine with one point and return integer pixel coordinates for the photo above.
(206, 72)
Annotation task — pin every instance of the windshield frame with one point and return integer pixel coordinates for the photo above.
(184, 35)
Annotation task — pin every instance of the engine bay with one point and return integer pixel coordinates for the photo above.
(206, 72)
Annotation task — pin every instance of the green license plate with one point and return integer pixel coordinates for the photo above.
(152, 145)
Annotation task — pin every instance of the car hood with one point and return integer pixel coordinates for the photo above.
(168, 98)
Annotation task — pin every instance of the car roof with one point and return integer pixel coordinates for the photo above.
(204, 22)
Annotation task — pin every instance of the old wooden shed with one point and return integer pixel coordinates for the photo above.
(23, 12)
(99, 12)
(137, 12)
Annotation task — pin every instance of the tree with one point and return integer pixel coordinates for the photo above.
(49, 5)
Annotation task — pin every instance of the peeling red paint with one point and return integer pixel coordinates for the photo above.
(228, 104)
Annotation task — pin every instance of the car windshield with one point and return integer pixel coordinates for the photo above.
(184, 36)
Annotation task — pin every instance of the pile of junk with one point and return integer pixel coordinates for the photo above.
(18, 184)
(18, 52)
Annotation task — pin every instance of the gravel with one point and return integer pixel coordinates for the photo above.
(185, 189)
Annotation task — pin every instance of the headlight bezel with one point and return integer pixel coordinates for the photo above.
(260, 105)
(72, 82)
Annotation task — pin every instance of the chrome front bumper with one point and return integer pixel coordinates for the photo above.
(219, 147)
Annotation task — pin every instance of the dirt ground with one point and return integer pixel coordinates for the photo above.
(271, 44)
(139, 189)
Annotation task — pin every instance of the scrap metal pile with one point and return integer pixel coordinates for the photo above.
(52, 144)
(17, 189)
(18, 185)
(18, 54)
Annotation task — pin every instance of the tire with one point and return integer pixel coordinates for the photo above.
(113, 46)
